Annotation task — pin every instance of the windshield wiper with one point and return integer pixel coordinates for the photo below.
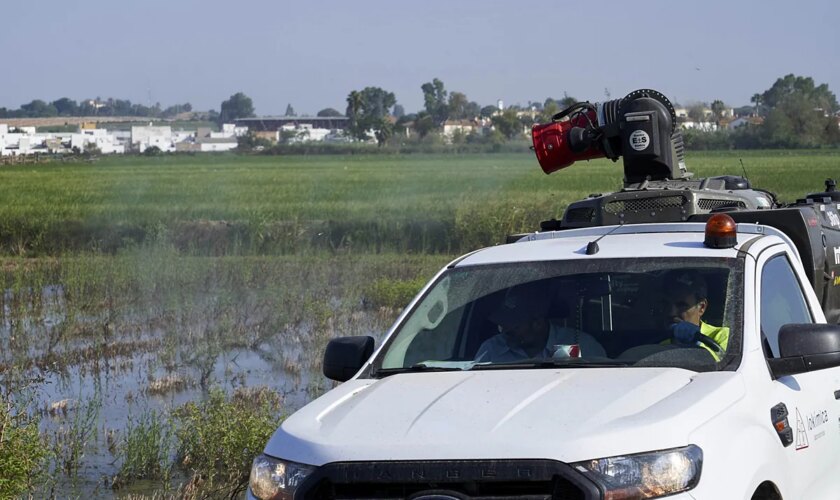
(419, 367)
(550, 363)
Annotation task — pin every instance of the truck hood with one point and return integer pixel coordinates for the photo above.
(559, 414)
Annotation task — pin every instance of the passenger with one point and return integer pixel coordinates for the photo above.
(527, 332)
(686, 298)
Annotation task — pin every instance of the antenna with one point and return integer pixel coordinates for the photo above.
(743, 168)
(592, 247)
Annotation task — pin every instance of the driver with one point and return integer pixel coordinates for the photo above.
(526, 332)
(686, 300)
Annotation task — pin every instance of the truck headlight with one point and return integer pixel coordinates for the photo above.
(275, 479)
(645, 475)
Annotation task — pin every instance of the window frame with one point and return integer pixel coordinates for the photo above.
(785, 257)
(730, 362)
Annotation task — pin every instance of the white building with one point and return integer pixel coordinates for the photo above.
(25, 140)
(145, 137)
(100, 138)
(215, 145)
(452, 127)
(703, 126)
(16, 142)
(206, 141)
(229, 130)
(306, 132)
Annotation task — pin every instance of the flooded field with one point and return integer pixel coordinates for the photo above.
(160, 316)
(96, 349)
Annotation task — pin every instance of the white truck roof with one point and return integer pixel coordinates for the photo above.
(657, 240)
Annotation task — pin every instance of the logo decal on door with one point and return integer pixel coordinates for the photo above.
(801, 434)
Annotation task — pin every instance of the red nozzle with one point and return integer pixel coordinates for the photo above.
(551, 144)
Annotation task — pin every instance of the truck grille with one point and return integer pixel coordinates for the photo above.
(644, 204)
(460, 480)
(710, 204)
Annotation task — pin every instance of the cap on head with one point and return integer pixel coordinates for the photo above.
(682, 281)
(522, 303)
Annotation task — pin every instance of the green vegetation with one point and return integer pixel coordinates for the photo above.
(368, 109)
(23, 451)
(92, 107)
(795, 113)
(220, 437)
(186, 273)
(150, 310)
(145, 450)
(71, 442)
(233, 205)
(393, 293)
(238, 106)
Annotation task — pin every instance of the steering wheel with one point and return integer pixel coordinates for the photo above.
(687, 334)
(709, 342)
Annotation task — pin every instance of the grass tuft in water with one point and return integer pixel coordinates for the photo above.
(219, 438)
(145, 450)
(24, 454)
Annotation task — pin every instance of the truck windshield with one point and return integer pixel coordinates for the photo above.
(670, 312)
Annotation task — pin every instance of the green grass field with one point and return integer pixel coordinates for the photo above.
(273, 204)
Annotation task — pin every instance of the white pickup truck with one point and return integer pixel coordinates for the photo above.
(613, 406)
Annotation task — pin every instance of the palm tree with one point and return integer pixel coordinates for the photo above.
(756, 98)
(355, 102)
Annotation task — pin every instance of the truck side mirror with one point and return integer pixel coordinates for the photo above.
(806, 347)
(345, 356)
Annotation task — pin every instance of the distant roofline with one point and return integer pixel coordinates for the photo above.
(291, 118)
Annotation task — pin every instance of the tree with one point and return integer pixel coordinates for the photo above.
(250, 142)
(368, 110)
(472, 110)
(488, 111)
(550, 108)
(757, 102)
(435, 101)
(175, 110)
(125, 108)
(718, 109)
(86, 108)
(399, 111)
(383, 133)
(697, 112)
(508, 123)
(798, 113)
(290, 111)
(354, 105)
(567, 101)
(329, 113)
(791, 86)
(66, 107)
(238, 106)
(458, 106)
(424, 124)
(744, 111)
(91, 149)
(38, 109)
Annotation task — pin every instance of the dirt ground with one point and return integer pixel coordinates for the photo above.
(69, 120)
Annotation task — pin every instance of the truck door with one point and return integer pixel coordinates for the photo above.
(813, 410)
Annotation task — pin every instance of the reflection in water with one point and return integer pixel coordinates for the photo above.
(105, 363)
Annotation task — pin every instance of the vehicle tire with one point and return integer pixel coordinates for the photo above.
(766, 491)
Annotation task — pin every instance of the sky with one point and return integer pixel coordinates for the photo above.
(312, 53)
